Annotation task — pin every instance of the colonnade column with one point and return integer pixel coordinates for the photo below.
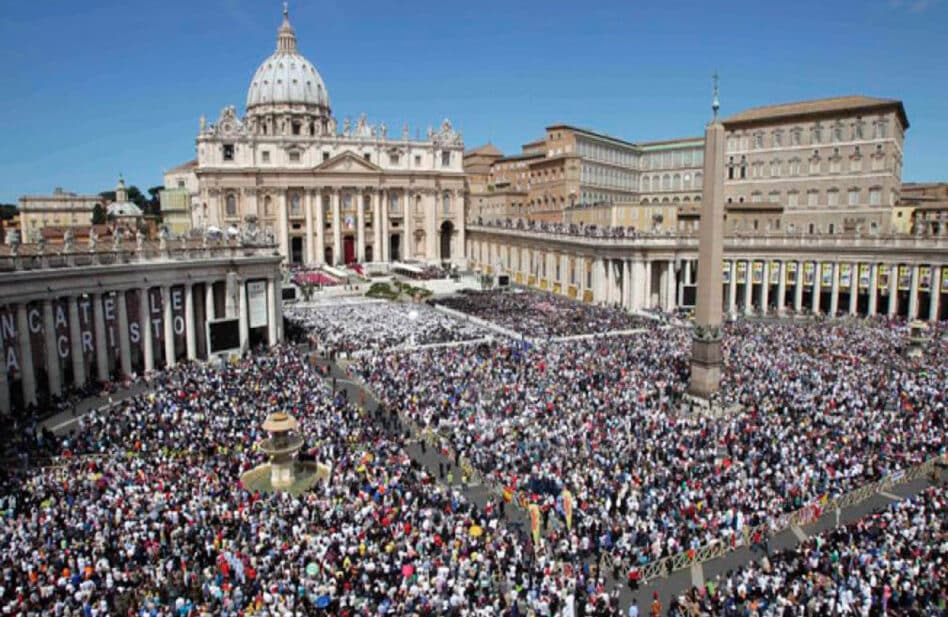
(4, 386)
(732, 289)
(53, 370)
(893, 290)
(873, 288)
(75, 343)
(798, 289)
(167, 319)
(359, 199)
(148, 350)
(913, 294)
(27, 377)
(242, 317)
(101, 355)
(817, 286)
(934, 294)
(308, 209)
(271, 312)
(834, 290)
(765, 287)
(782, 288)
(336, 228)
(853, 287)
(671, 287)
(125, 347)
(748, 287)
(190, 343)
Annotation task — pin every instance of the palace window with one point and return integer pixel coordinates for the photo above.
(875, 196)
(853, 197)
(832, 197)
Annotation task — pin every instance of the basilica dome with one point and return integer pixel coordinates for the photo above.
(286, 77)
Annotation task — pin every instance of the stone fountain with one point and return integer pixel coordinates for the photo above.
(284, 472)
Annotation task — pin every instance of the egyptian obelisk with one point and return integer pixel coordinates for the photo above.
(706, 358)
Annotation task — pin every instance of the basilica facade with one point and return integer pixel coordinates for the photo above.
(330, 192)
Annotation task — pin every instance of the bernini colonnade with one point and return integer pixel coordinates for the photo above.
(857, 275)
(71, 318)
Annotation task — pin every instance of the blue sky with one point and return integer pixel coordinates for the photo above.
(91, 89)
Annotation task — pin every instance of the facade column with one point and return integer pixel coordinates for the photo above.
(893, 290)
(817, 286)
(209, 309)
(101, 353)
(359, 199)
(798, 289)
(782, 288)
(431, 225)
(320, 257)
(271, 312)
(386, 236)
(376, 226)
(148, 343)
(628, 285)
(934, 294)
(462, 232)
(337, 257)
(408, 234)
(873, 289)
(853, 287)
(308, 245)
(913, 294)
(53, 370)
(603, 296)
(284, 226)
(190, 342)
(168, 325)
(749, 287)
(27, 375)
(765, 287)
(732, 290)
(242, 317)
(648, 284)
(75, 343)
(834, 290)
(125, 347)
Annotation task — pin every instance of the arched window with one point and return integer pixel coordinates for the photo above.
(267, 206)
(231, 205)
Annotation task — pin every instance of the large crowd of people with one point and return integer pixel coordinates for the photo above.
(143, 513)
(140, 510)
(538, 314)
(379, 325)
(822, 410)
(893, 562)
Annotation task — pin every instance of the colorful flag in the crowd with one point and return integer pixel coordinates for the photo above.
(568, 508)
(534, 511)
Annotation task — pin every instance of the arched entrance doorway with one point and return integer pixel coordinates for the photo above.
(447, 229)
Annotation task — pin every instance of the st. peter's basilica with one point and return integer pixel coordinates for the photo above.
(330, 193)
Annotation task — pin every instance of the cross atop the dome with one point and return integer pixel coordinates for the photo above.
(286, 38)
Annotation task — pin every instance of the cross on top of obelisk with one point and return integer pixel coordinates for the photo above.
(715, 103)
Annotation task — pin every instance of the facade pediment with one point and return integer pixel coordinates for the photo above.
(348, 162)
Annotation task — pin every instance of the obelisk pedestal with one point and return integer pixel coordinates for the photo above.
(706, 358)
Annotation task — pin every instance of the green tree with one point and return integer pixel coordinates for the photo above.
(98, 215)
